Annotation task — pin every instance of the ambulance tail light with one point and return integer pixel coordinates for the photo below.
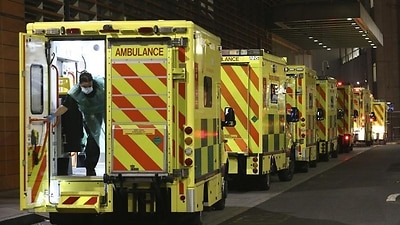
(146, 30)
(188, 162)
(188, 139)
(188, 130)
(72, 31)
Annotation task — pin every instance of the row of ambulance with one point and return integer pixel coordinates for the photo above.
(288, 118)
(183, 119)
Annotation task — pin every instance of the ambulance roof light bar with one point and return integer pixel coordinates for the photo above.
(242, 52)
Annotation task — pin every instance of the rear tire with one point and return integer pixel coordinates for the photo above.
(287, 174)
(265, 183)
(302, 166)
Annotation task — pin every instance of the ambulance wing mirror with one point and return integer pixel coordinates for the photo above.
(320, 114)
(293, 116)
(372, 117)
(355, 113)
(229, 117)
(340, 114)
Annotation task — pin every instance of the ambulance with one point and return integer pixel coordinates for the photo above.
(253, 83)
(327, 128)
(162, 152)
(379, 117)
(301, 95)
(345, 122)
(362, 102)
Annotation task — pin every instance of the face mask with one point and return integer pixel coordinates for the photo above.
(87, 90)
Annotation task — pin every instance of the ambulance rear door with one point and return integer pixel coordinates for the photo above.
(139, 106)
(34, 128)
(235, 78)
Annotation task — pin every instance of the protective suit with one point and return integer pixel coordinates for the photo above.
(92, 106)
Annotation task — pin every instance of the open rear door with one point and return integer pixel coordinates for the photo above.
(34, 128)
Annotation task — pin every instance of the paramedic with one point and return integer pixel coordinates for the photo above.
(90, 96)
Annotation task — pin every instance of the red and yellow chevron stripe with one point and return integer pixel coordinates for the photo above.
(345, 102)
(245, 135)
(139, 112)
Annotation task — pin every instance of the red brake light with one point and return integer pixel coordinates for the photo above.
(188, 130)
(73, 31)
(188, 162)
(146, 30)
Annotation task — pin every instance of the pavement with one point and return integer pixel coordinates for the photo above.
(10, 214)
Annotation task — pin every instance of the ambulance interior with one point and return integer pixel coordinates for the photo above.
(68, 60)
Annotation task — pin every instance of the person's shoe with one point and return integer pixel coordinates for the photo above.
(90, 173)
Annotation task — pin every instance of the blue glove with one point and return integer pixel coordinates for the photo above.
(51, 117)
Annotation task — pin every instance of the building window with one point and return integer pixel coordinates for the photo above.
(348, 54)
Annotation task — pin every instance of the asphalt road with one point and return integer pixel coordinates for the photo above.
(357, 188)
(362, 190)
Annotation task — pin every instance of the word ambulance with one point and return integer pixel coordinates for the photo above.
(147, 51)
(162, 145)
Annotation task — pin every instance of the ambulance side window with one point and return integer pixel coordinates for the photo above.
(274, 93)
(207, 91)
(36, 88)
(310, 100)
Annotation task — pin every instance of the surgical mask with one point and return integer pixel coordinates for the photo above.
(87, 90)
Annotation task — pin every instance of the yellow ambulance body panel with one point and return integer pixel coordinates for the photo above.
(253, 84)
(346, 119)
(362, 102)
(162, 147)
(301, 94)
(379, 121)
(327, 127)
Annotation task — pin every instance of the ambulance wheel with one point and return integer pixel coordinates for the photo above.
(324, 156)
(313, 163)
(287, 174)
(194, 218)
(265, 182)
(302, 166)
(334, 151)
(71, 218)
